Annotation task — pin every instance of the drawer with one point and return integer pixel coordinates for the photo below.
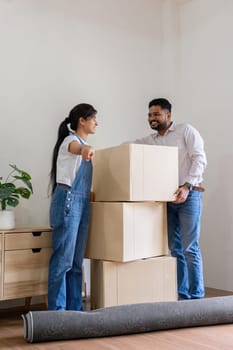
(26, 273)
(26, 240)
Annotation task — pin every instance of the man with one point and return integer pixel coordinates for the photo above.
(184, 214)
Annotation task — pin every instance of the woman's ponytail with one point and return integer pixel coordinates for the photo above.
(63, 132)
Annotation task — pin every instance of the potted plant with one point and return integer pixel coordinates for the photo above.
(11, 193)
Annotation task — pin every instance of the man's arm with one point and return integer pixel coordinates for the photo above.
(195, 149)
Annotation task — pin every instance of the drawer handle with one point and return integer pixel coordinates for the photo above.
(38, 233)
(36, 250)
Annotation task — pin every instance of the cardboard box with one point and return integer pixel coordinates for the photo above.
(127, 231)
(140, 281)
(135, 172)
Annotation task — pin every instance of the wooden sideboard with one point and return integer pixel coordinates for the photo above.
(24, 259)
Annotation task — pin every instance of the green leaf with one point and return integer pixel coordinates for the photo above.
(24, 192)
(23, 173)
(8, 185)
(27, 182)
(12, 202)
(16, 195)
(24, 176)
(6, 192)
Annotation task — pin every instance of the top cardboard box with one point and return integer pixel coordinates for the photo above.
(133, 172)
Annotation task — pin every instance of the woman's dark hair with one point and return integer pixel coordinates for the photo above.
(162, 102)
(82, 110)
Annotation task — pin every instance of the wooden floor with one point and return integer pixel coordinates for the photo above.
(198, 338)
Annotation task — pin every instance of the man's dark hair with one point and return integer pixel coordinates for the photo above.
(162, 102)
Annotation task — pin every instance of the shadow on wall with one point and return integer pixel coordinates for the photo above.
(217, 227)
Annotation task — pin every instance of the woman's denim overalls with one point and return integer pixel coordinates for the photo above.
(69, 219)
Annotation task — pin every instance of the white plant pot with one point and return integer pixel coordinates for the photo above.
(7, 219)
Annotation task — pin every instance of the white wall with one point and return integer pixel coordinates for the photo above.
(57, 53)
(204, 97)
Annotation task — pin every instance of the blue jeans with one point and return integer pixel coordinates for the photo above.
(69, 219)
(183, 240)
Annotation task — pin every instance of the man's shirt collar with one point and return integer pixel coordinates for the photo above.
(171, 128)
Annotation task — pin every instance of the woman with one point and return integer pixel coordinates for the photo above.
(71, 177)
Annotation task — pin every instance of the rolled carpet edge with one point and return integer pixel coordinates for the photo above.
(40, 326)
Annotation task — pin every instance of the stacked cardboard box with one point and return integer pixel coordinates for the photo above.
(128, 230)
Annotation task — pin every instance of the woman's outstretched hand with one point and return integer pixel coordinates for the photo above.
(87, 152)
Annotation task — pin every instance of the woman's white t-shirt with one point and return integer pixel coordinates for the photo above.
(67, 162)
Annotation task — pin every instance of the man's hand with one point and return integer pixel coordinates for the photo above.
(181, 194)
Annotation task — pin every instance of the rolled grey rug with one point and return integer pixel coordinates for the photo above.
(126, 319)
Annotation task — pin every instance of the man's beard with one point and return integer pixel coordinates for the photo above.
(159, 127)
